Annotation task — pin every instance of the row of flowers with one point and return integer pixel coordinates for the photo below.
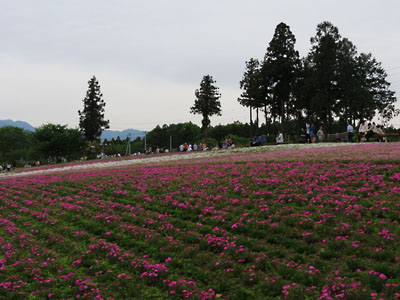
(241, 226)
(285, 152)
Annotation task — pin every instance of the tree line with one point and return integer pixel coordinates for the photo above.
(54, 143)
(332, 83)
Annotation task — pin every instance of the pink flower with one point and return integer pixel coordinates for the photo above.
(382, 276)
(173, 283)
(355, 285)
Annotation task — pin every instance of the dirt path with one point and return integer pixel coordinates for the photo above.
(172, 157)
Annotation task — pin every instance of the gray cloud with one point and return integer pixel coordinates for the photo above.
(166, 46)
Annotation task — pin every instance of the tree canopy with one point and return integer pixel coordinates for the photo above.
(279, 72)
(207, 101)
(14, 144)
(91, 119)
(251, 84)
(58, 141)
(332, 83)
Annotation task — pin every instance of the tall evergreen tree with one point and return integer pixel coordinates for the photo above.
(350, 86)
(91, 119)
(251, 86)
(303, 91)
(323, 61)
(207, 102)
(280, 71)
(340, 83)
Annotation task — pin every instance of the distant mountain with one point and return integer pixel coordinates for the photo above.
(107, 134)
(21, 124)
(110, 134)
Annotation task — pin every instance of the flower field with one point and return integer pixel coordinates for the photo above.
(294, 224)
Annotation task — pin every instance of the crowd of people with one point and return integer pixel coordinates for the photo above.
(366, 131)
(228, 143)
(265, 138)
(309, 134)
(187, 147)
(5, 168)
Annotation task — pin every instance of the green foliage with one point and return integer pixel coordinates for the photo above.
(342, 83)
(15, 144)
(117, 146)
(322, 62)
(91, 119)
(236, 128)
(279, 72)
(207, 101)
(180, 133)
(333, 82)
(252, 85)
(57, 141)
(191, 133)
(238, 141)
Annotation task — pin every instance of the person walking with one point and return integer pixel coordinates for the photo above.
(350, 130)
(312, 132)
(320, 134)
(307, 129)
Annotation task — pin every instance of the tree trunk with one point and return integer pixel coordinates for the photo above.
(282, 117)
(251, 123)
(329, 123)
(266, 115)
(257, 119)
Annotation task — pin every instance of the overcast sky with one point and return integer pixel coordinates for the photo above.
(150, 56)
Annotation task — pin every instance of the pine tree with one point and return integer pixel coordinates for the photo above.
(91, 119)
(207, 103)
(350, 86)
(323, 61)
(280, 69)
(251, 86)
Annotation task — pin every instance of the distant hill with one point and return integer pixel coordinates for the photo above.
(110, 134)
(107, 134)
(21, 124)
